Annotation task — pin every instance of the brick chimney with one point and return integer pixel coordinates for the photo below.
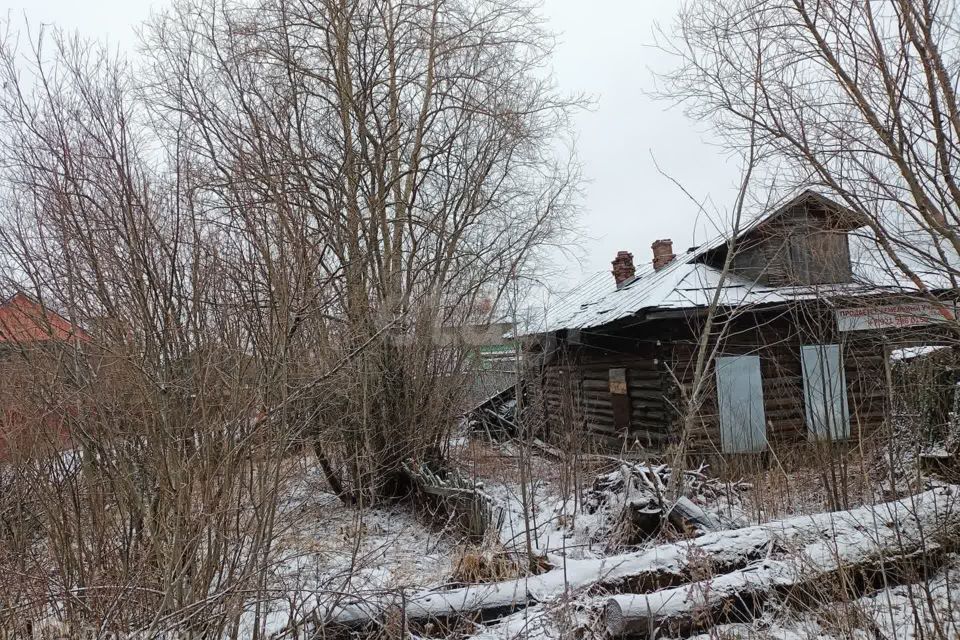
(623, 269)
(662, 253)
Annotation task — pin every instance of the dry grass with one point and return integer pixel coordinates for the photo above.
(809, 478)
(488, 561)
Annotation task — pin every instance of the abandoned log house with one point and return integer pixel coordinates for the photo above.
(798, 349)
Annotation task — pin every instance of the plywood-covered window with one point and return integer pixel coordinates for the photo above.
(740, 401)
(818, 257)
(619, 399)
(825, 392)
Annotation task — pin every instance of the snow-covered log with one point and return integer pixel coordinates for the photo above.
(850, 553)
(740, 595)
(865, 530)
(685, 515)
(681, 610)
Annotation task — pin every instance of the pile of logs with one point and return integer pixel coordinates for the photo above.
(680, 588)
(847, 555)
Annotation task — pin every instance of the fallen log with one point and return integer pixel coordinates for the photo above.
(739, 596)
(670, 565)
(687, 516)
(850, 557)
(688, 608)
(643, 517)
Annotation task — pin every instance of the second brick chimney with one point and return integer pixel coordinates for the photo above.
(662, 253)
(623, 270)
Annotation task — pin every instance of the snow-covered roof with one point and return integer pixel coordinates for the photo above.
(683, 284)
(688, 282)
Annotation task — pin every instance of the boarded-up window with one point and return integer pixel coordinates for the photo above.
(818, 257)
(740, 400)
(825, 392)
(618, 382)
(619, 399)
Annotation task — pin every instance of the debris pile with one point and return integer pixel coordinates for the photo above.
(497, 416)
(454, 499)
(637, 500)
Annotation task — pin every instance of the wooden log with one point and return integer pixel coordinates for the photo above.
(596, 385)
(644, 515)
(645, 382)
(604, 427)
(653, 426)
(773, 401)
(739, 596)
(787, 412)
(646, 404)
(687, 516)
(601, 414)
(648, 394)
(637, 376)
(594, 401)
(650, 413)
(867, 531)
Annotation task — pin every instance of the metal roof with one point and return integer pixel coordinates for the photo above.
(687, 283)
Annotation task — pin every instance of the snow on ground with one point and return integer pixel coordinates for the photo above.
(547, 506)
(568, 518)
(568, 618)
(904, 612)
(388, 545)
(918, 611)
(329, 548)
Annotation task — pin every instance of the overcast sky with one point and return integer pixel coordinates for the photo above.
(605, 51)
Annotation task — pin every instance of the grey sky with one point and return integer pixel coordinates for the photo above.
(605, 52)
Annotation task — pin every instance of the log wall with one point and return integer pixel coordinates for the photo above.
(577, 392)
(660, 360)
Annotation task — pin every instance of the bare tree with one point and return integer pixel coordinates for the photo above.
(416, 143)
(270, 230)
(855, 97)
(160, 515)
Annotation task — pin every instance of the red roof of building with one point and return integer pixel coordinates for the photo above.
(23, 320)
